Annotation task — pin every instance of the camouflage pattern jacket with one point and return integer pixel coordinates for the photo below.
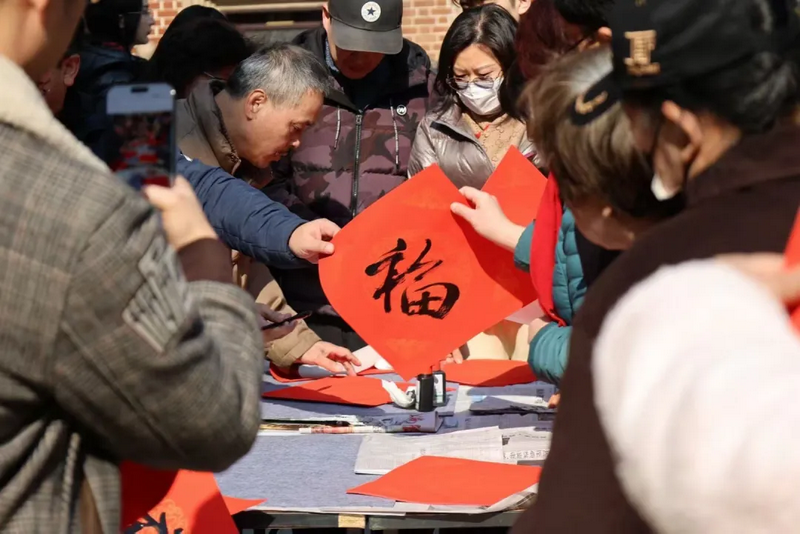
(352, 156)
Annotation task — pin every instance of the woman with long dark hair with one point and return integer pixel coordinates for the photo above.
(467, 132)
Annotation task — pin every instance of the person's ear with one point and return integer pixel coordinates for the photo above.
(523, 6)
(70, 68)
(326, 18)
(603, 35)
(254, 103)
(689, 125)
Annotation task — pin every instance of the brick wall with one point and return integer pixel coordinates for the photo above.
(424, 21)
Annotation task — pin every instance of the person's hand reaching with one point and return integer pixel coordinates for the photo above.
(181, 213)
(311, 241)
(454, 357)
(487, 218)
(330, 357)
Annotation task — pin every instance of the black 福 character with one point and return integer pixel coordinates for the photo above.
(148, 522)
(434, 300)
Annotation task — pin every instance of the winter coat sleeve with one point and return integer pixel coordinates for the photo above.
(522, 252)
(285, 351)
(245, 219)
(548, 352)
(696, 373)
(423, 155)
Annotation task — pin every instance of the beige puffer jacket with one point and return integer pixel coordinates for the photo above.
(448, 140)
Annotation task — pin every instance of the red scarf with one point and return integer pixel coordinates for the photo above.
(543, 248)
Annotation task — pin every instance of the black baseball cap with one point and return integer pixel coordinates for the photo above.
(659, 43)
(367, 25)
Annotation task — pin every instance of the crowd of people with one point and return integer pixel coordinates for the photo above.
(133, 314)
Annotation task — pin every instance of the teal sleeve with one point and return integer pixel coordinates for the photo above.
(522, 252)
(548, 352)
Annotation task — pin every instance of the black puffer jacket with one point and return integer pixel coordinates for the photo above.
(102, 67)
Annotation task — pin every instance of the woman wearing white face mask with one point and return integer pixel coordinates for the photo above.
(467, 133)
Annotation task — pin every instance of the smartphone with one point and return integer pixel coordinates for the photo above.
(144, 132)
(302, 316)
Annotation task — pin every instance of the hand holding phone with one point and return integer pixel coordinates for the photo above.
(182, 215)
(143, 119)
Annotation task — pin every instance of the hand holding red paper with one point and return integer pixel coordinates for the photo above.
(487, 218)
(415, 281)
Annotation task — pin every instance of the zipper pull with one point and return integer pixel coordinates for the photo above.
(359, 118)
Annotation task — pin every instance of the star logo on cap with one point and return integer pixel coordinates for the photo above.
(371, 12)
(402, 110)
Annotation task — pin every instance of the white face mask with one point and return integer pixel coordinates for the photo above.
(480, 100)
(660, 190)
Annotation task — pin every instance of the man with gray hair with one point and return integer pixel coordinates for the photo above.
(243, 126)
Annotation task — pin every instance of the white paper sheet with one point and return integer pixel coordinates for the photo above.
(470, 421)
(526, 446)
(380, 453)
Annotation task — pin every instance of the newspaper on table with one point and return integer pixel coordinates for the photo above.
(381, 453)
(472, 421)
(526, 446)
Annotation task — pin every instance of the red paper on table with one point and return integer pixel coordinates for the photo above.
(236, 505)
(353, 390)
(289, 376)
(415, 282)
(490, 373)
(457, 482)
(793, 260)
(193, 505)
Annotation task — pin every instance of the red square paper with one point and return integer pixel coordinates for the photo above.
(353, 390)
(451, 482)
(490, 373)
(415, 282)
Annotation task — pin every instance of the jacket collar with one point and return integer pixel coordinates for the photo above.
(204, 108)
(23, 107)
(452, 119)
(756, 159)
